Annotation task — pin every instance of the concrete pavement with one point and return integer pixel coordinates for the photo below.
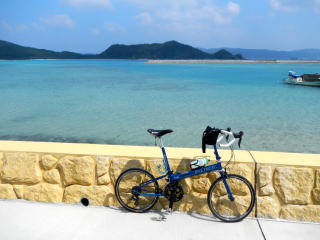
(24, 220)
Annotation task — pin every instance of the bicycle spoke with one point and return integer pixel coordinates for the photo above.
(129, 193)
(231, 210)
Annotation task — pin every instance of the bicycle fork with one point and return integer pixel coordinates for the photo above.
(224, 179)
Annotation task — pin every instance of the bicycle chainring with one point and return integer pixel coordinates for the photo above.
(173, 192)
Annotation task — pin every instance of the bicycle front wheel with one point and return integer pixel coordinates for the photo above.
(133, 193)
(231, 210)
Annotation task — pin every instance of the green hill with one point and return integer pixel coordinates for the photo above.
(11, 51)
(224, 54)
(168, 50)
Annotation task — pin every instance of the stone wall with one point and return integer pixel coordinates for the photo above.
(288, 192)
(54, 172)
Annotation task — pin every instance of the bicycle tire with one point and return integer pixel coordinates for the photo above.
(225, 209)
(125, 194)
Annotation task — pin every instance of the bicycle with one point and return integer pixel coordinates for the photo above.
(230, 198)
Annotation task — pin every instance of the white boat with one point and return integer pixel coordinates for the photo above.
(304, 79)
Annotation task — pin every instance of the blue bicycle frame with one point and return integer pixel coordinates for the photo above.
(178, 176)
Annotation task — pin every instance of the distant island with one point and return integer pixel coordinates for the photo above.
(171, 50)
(265, 54)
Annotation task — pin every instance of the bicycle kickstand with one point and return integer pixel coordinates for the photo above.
(170, 206)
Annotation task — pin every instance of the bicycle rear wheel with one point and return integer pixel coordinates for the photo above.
(231, 210)
(129, 192)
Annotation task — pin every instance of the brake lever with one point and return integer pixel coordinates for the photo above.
(240, 138)
(229, 130)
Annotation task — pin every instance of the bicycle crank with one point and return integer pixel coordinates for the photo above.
(173, 192)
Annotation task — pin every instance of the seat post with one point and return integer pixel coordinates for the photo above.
(161, 143)
(165, 159)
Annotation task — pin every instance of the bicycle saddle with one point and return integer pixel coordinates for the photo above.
(159, 133)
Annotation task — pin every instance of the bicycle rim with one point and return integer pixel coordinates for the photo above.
(231, 210)
(128, 190)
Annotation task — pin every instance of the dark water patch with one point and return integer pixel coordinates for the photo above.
(47, 138)
(23, 119)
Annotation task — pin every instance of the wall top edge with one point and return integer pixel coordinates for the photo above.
(299, 159)
(283, 158)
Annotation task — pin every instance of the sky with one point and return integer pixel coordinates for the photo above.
(91, 26)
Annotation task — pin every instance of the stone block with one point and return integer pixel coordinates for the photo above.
(103, 165)
(19, 190)
(225, 206)
(186, 185)
(43, 192)
(309, 213)
(77, 170)
(197, 203)
(318, 178)
(118, 165)
(242, 169)
(201, 185)
(7, 192)
(52, 176)
(97, 195)
(104, 180)
(267, 190)
(152, 167)
(48, 162)
(21, 168)
(180, 165)
(316, 195)
(213, 176)
(237, 187)
(294, 185)
(264, 176)
(1, 164)
(268, 207)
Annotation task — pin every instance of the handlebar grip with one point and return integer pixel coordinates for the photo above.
(238, 135)
(228, 144)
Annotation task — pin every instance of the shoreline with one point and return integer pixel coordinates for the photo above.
(237, 61)
(185, 61)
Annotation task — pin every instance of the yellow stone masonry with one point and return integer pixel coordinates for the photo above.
(287, 184)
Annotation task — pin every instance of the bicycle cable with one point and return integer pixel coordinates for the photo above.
(232, 158)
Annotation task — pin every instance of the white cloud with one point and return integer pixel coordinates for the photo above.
(233, 8)
(317, 6)
(22, 28)
(89, 3)
(113, 27)
(284, 5)
(59, 20)
(295, 5)
(38, 26)
(5, 26)
(186, 11)
(144, 18)
(95, 32)
(192, 21)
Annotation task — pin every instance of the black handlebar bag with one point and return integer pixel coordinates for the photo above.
(209, 137)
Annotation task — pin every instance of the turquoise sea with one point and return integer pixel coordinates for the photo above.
(115, 102)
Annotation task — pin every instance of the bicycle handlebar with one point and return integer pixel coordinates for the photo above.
(228, 133)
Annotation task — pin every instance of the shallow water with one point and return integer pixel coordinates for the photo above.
(114, 102)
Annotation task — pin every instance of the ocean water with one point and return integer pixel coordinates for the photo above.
(115, 102)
